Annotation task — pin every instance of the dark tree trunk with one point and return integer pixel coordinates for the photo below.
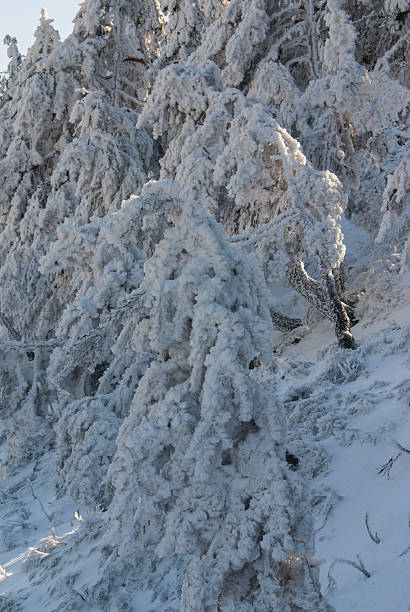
(340, 316)
(324, 296)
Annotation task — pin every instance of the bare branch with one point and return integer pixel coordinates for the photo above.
(373, 536)
(402, 448)
(385, 469)
(360, 566)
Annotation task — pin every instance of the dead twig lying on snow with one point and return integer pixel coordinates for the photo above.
(402, 448)
(385, 469)
(360, 566)
(373, 536)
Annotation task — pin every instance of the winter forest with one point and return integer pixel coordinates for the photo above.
(205, 308)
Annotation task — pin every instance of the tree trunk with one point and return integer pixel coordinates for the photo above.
(324, 296)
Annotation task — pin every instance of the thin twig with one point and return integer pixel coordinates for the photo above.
(360, 566)
(373, 536)
(39, 501)
(330, 502)
(408, 547)
(402, 448)
(385, 469)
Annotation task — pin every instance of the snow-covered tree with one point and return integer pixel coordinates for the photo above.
(70, 153)
(173, 179)
(9, 77)
(98, 363)
(348, 118)
(67, 153)
(395, 226)
(187, 475)
(183, 22)
(231, 153)
(287, 203)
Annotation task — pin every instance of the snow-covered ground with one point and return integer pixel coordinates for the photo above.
(349, 418)
(49, 552)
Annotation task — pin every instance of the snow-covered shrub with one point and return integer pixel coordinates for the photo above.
(344, 367)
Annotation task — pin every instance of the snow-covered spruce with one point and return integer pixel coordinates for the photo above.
(66, 154)
(232, 154)
(99, 361)
(187, 474)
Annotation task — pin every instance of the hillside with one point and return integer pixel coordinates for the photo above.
(204, 309)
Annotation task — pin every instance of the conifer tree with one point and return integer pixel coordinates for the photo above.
(185, 475)
(68, 154)
(99, 361)
(245, 174)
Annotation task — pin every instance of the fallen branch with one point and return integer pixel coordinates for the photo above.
(360, 566)
(385, 469)
(373, 536)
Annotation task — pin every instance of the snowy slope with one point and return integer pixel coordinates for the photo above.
(349, 422)
(50, 553)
